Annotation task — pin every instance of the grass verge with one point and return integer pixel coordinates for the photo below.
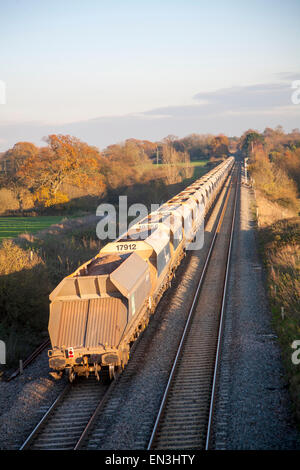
(280, 247)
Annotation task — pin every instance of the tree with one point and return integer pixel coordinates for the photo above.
(219, 146)
(197, 145)
(186, 170)
(17, 176)
(66, 160)
(42, 171)
(170, 158)
(170, 139)
(251, 141)
(124, 163)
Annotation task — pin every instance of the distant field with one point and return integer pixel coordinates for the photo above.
(11, 227)
(152, 166)
(199, 167)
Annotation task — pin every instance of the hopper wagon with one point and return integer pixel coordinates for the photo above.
(97, 312)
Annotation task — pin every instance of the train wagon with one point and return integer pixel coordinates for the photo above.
(97, 312)
(93, 314)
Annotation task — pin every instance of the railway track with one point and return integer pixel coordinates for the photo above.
(184, 420)
(96, 433)
(73, 415)
(64, 425)
(30, 358)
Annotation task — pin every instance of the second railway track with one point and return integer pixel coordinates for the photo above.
(185, 415)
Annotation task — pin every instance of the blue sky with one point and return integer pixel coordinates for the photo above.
(121, 62)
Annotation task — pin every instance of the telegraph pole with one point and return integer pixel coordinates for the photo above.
(246, 176)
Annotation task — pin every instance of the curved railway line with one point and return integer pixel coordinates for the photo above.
(184, 419)
(187, 407)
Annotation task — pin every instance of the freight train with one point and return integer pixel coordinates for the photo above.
(98, 312)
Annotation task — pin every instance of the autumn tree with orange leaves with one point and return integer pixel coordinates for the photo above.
(66, 160)
(219, 146)
(43, 171)
(17, 178)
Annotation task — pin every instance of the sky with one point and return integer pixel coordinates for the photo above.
(107, 71)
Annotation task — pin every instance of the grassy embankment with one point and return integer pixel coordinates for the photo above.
(32, 266)
(279, 238)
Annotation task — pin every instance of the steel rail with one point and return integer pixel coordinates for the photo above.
(84, 435)
(92, 419)
(29, 359)
(62, 400)
(38, 427)
(220, 333)
(190, 315)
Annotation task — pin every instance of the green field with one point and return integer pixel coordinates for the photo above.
(199, 167)
(149, 166)
(11, 227)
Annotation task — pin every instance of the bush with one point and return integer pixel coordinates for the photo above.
(273, 181)
(24, 290)
(7, 201)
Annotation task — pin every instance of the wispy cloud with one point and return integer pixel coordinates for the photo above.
(288, 76)
(269, 95)
(260, 98)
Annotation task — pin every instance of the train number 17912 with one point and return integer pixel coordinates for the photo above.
(126, 246)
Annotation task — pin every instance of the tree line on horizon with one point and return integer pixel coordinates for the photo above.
(51, 175)
(66, 168)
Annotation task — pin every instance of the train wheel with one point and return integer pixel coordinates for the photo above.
(125, 359)
(56, 375)
(71, 375)
(112, 372)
